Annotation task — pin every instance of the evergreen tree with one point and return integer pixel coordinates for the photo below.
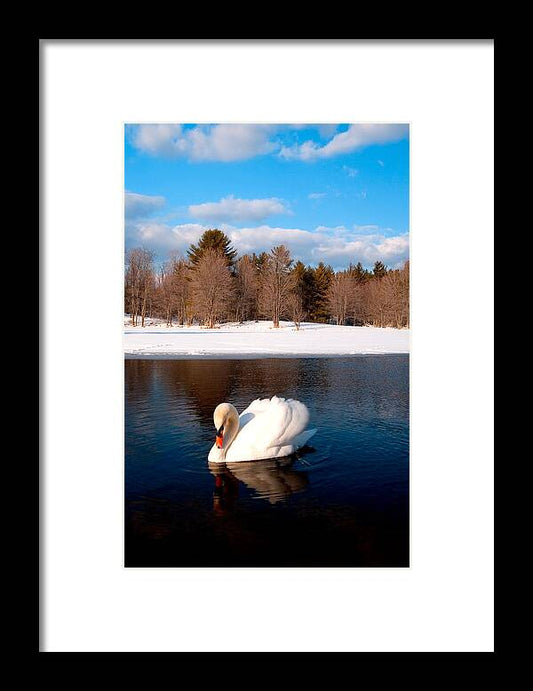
(322, 277)
(304, 285)
(213, 239)
(357, 272)
(379, 270)
(298, 272)
(260, 260)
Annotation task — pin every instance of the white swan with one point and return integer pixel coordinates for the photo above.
(268, 428)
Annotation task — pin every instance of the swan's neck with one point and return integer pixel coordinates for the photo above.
(231, 429)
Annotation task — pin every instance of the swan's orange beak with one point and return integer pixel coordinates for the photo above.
(219, 439)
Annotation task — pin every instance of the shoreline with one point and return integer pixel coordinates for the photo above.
(258, 340)
(253, 356)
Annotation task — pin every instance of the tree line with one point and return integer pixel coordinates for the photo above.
(212, 285)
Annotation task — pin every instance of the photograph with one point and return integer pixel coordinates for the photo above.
(266, 344)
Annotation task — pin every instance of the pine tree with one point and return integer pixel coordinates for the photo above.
(322, 277)
(379, 270)
(357, 272)
(213, 239)
(304, 286)
(298, 306)
(298, 271)
(260, 260)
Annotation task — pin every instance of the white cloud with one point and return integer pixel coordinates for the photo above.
(340, 251)
(161, 237)
(391, 248)
(336, 246)
(137, 205)
(227, 142)
(163, 140)
(264, 237)
(317, 195)
(355, 137)
(232, 210)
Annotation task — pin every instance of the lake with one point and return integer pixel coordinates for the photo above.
(343, 501)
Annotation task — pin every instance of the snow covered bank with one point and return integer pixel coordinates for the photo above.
(259, 339)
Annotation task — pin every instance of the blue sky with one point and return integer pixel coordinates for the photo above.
(332, 193)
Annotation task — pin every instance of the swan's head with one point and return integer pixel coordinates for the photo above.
(226, 418)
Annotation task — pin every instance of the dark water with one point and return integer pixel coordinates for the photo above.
(342, 502)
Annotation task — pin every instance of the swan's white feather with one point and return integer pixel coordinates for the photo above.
(268, 428)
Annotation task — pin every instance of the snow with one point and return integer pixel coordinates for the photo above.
(257, 339)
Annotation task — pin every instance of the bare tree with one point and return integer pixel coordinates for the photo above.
(132, 284)
(276, 284)
(386, 299)
(164, 299)
(147, 282)
(139, 283)
(376, 302)
(404, 294)
(396, 291)
(339, 296)
(245, 289)
(180, 286)
(296, 308)
(359, 303)
(212, 287)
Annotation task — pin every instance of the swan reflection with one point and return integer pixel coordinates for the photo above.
(273, 480)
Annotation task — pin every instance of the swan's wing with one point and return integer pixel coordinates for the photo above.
(260, 405)
(272, 423)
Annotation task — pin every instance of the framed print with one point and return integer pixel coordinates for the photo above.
(266, 396)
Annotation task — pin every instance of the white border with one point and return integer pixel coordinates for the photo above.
(444, 602)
